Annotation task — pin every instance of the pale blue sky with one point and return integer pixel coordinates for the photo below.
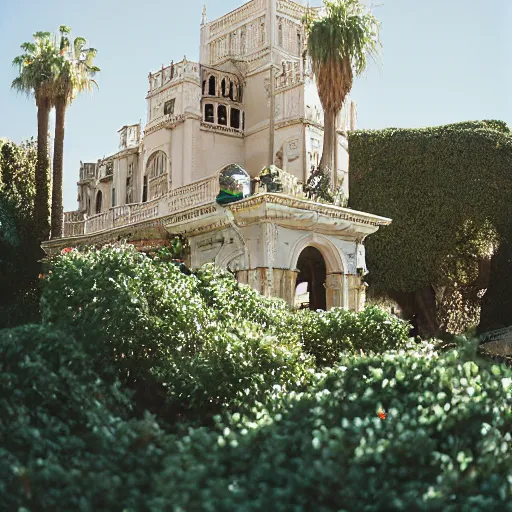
(444, 61)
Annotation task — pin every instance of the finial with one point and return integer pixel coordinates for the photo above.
(203, 20)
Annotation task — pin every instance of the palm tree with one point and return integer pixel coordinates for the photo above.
(338, 45)
(38, 68)
(75, 76)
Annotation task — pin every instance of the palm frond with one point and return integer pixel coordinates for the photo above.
(78, 46)
(339, 44)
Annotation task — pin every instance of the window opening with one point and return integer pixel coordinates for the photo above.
(209, 115)
(211, 86)
(222, 115)
(235, 118)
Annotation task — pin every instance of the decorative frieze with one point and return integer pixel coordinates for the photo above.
(291, 9)
(304, 204)
(236, 17)
(225, 130)
(238, 42)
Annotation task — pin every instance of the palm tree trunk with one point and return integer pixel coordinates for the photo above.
(335, 154)
(42, 174)
(58, 164)
(326, 162)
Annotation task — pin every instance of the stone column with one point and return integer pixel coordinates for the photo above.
(334, 291)
(284, 284)
(356, 292)
(271, 282)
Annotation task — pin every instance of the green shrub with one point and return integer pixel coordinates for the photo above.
(445, 444)
(187, 345)
(128, 309)
(326, 335)
(66, 439)
(236, 366)
(233, 301)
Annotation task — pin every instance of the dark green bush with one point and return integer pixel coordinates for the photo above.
(445, 444)
(326, 335)
(66, 438)
(447, 189)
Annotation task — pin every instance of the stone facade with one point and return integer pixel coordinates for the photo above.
(251, 100)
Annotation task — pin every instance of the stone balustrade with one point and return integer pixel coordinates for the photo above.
(291, 74)
(173, 73)
(88, 171)
(197, 193)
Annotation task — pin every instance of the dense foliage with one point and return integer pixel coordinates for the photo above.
(66, 438)
(19, 252)
(448, 192)
(245, 420)
(327, 335)
(444, 444)
(188, 345)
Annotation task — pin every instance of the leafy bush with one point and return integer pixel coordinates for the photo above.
(187, 345)
(66, 440)
(236, 365)
(233, 301)
(444, 445)
(326, 335)
(127, 308)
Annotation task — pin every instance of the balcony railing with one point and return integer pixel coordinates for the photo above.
(198, 193)
(195, 194)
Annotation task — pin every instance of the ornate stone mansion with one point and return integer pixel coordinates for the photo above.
(250, 101)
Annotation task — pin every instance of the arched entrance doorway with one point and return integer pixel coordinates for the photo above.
(310, 290)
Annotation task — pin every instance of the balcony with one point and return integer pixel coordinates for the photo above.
(198, 193)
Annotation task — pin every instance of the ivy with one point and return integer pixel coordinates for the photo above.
(448, 192)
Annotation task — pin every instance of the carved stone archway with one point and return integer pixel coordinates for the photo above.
(335, 265)
(312, 272)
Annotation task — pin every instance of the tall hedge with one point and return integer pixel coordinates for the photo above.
(448, 190)
(19, 249)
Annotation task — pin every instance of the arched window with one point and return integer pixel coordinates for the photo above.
(157, 164)
(299, 44)
(209, 115)
(235, 118)
(222, 115)
(223, 88)
(231, 90)
(98, 201)
(212, 86)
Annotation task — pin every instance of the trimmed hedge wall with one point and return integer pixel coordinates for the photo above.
(448, 190)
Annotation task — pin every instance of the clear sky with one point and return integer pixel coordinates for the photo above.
(443, 61)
